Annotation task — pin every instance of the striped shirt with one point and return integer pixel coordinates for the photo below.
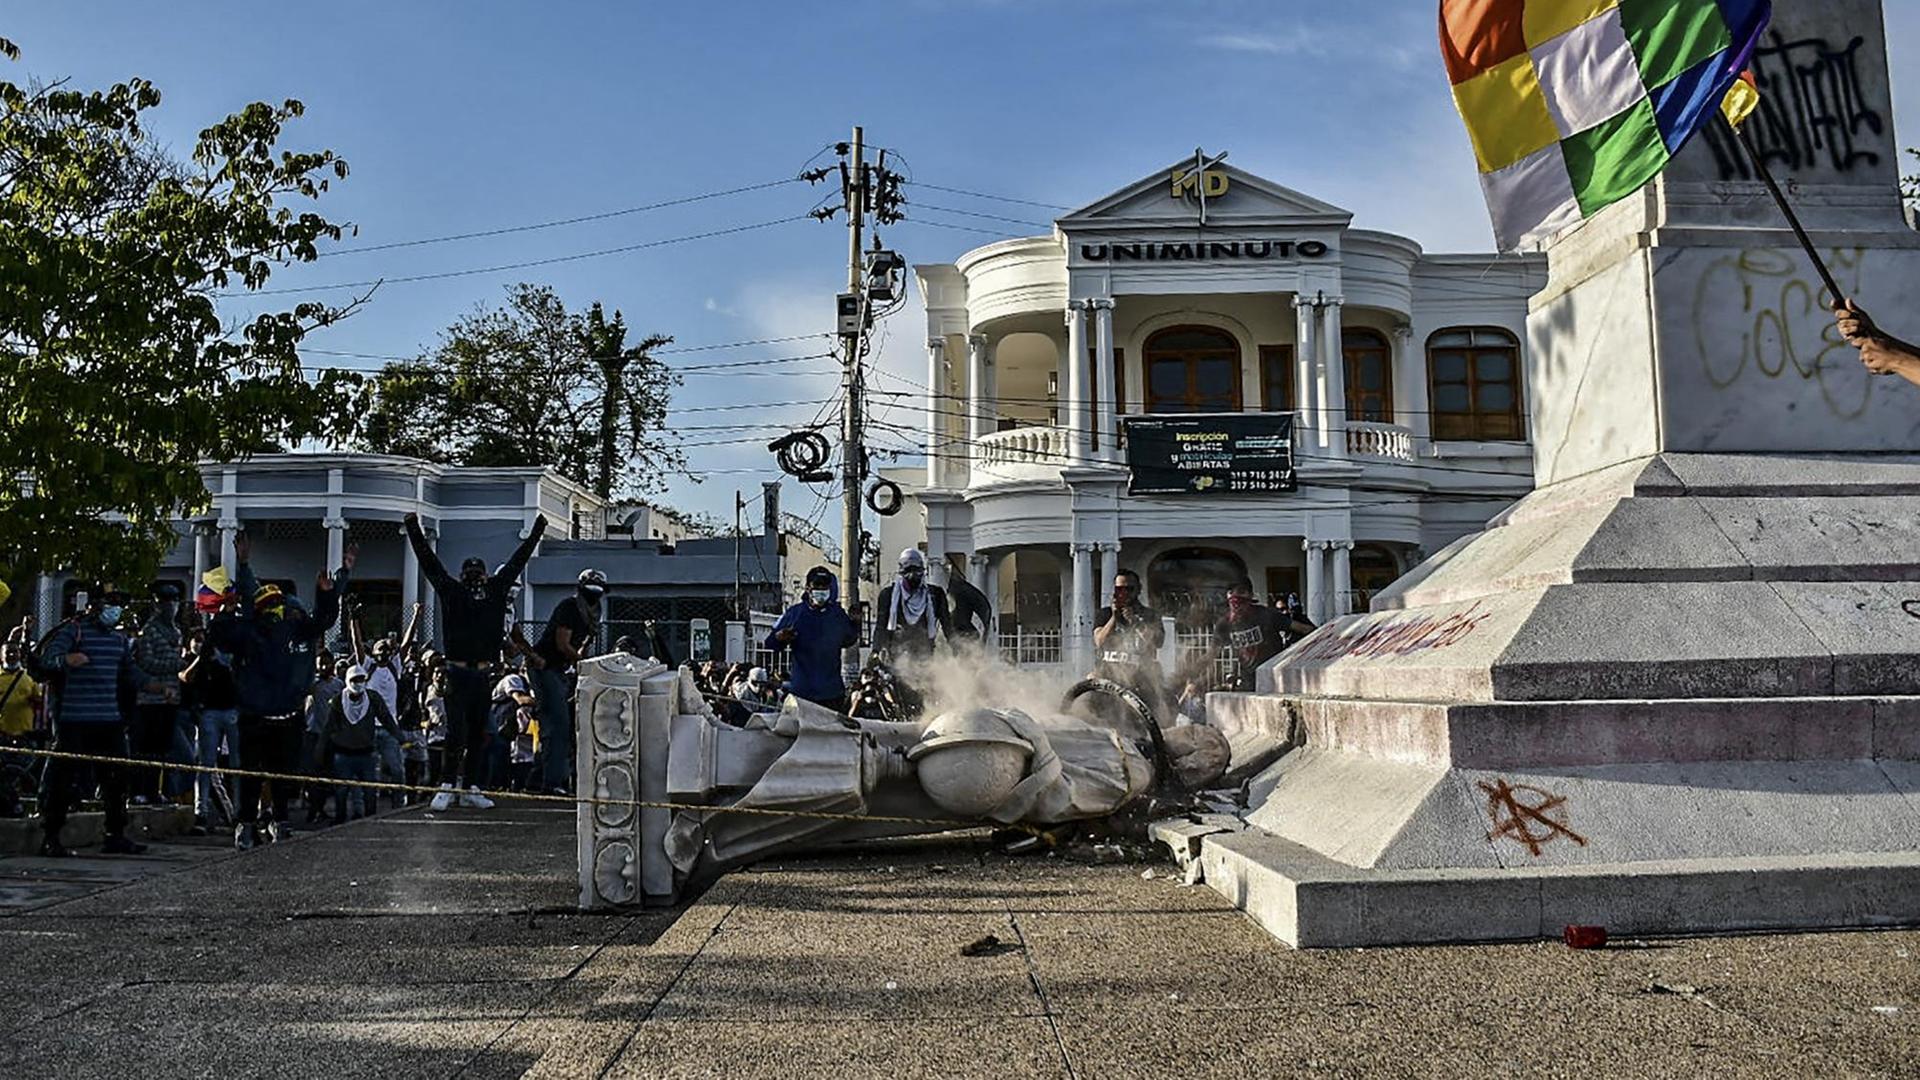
(90, 694)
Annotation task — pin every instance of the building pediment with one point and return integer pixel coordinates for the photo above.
(1233, 197)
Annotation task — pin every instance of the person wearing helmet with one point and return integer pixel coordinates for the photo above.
(95, 661)
(912, 612)
(348, 736)
(818, 630)
(757, 695)
(273, 645)
(567, 640)
(473, 608)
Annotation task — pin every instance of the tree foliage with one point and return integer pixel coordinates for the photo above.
(117, 376)
(524, 384)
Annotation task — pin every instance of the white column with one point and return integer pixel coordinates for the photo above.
(1342, 552)
(936, 406)
(1078, 645)
(1306, 359)
(979, 570)
(1413, 407)
(1333, 405)
(199, 538)
(228, 525)
(1109, 569)
(1317, 606)
(336, 541)
(1078, 420)
(991, 586)
(980, 403)
(1103, 379)
(410, 585)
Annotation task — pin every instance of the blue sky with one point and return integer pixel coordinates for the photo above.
(459, 117)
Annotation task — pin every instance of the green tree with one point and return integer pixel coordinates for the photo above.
(117, 375)
(531, 383)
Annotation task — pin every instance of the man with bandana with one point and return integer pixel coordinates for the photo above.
(569, 636)
(473, 610)
(273, 641)
(348, 735)
(96, 663)
(1253, 634)
(912, 611)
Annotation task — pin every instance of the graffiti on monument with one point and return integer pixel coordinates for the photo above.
(1527, 814)
(1813, 111)
(1396, 637)
(1784, 322)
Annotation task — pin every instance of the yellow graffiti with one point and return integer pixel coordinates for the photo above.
(1790, 315)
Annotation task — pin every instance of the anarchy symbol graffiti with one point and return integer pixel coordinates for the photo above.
(1527, 814)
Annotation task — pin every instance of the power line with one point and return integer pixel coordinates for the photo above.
(508, 230)
(984, 195)
(443, 275)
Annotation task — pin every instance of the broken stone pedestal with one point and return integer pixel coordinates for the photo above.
(678, 796)
(1672, 691)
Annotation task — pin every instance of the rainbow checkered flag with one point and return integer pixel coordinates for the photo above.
(1574, 105)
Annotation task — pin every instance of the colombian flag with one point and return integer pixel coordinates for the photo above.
(1574, 105)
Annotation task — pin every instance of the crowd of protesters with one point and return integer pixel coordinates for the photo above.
(253, 679)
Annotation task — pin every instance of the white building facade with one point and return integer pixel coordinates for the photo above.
(1205, 291)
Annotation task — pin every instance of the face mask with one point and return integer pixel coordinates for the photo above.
(913, 578)
(356, 688)
(818, 597)
(110, 614)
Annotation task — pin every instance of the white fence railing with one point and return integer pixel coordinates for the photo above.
(1025, 446)
(1389, 441)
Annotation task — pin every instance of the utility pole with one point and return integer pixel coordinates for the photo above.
(739, 608)
(854, 455)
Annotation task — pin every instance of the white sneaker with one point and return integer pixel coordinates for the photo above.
(472, 799)
(242, 837)
(276, 832)
(442, 798)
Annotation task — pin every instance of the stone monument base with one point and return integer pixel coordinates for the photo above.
(1670, 697)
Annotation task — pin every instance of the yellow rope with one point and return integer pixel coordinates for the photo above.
(571, 800)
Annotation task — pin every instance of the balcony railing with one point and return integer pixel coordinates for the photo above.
(1025, 446)
(1387, 442)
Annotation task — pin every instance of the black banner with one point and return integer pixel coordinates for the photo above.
(1211, 454)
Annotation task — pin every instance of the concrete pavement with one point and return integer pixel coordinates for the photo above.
(444, 946)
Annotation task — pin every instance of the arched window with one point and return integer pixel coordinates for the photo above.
(1369, 375)
(1474, 375)
(1193, 369)
(1191, 584)
(1373, 568)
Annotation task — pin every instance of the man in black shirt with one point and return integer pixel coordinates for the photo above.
(568, 639)
(972, 611)
(1127, 635)
(473, 609)
(1252, 634)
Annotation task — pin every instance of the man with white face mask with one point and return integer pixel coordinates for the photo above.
(912, 612)
(348, 735)
(96, 662)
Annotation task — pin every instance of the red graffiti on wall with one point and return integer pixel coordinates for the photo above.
(1399, 637)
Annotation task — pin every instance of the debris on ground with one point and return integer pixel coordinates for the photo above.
(980, 946)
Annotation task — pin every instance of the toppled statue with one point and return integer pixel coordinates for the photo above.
(807, 776)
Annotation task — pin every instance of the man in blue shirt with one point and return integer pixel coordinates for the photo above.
(95, 661)
(817, 629)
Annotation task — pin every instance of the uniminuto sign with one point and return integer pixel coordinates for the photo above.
(1205, 251)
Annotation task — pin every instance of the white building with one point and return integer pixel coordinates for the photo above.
(1402, 370)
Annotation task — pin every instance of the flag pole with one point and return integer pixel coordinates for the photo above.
(1793, 219)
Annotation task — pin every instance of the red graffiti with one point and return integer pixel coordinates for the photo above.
(1537, 820)
(1400, 637)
